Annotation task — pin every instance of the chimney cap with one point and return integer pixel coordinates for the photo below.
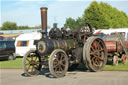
(43, 8)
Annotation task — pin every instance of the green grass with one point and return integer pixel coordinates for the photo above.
(120, 67)
(12, 64)
(17, 64)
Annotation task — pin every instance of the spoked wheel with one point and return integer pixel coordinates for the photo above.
(31, 63)
(94, 53)
(58, 63)
(115, 60)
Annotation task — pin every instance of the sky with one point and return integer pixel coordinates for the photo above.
(27, 12)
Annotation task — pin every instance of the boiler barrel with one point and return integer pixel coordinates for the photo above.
(47, 46)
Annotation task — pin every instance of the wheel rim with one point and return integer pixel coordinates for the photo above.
(32, 64)
(97, 54)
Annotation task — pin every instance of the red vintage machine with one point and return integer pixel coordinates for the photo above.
(116, 47)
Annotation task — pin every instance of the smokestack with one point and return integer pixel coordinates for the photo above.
(44, 18)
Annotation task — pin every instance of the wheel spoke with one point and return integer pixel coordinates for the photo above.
(28, 68)
(28, 59)
(92, 48)
(32, 69)
(27, 64)
(35, 58)
(63, 65)
(98, 45)
(31, 56)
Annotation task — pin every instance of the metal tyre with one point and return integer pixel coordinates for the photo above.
(58, 63)
(94, 54)
(31, 63)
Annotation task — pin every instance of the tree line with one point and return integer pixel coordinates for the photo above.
(100, 16)
(13, 26)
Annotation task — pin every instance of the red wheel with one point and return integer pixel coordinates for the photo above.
(94, 53)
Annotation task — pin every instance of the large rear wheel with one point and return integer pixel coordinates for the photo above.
(94, 53)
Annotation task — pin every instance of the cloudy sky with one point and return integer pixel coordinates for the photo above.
(27, 12)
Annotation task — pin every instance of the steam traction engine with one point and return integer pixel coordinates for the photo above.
(61, 49)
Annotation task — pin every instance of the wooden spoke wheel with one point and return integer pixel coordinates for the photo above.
(115, 60)
(94, 53)
(31, 63)
(58, 63)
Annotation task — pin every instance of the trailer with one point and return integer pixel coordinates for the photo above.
(117, 47)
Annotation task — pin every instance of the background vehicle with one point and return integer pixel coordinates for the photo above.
(25, 42)
(7, 50)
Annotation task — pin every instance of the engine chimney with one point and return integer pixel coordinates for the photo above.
(44, 19)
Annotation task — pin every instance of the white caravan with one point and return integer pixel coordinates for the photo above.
(109, 31)
(25, 42)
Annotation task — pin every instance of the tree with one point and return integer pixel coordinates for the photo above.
(70, 23)
(104, 16)
(23, 27)
(9, 26)
(73, 24)
(94, 15)
(100, 16)
(79, 21)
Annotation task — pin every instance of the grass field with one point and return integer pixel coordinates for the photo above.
(17, 64)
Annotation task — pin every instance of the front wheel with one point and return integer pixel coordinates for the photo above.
(58, 63)
(31, 63)
(11, 57)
